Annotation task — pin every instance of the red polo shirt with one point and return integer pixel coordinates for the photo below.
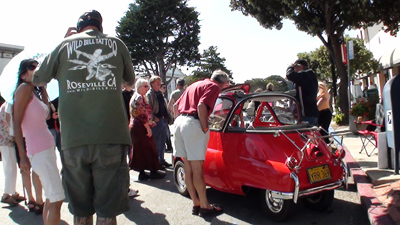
(203, 91)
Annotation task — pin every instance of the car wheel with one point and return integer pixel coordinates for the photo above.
(320, 201)
(275, 208)
(179, 178)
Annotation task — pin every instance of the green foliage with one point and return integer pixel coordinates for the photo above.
(326, 19)
(361, 108)
(280, 84)
(339, 118)
(209, 62)
(362, 64)
(160, 34)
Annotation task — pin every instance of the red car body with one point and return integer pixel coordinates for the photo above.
(269, 152)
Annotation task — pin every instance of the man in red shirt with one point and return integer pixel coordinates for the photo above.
(192, 135)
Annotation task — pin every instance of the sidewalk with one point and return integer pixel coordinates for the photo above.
(379, 189)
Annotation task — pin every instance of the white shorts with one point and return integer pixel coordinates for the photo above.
(44, 164)
(190, 141)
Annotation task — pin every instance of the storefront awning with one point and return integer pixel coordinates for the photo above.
(386, 59)
(396, 56)
(390, 58)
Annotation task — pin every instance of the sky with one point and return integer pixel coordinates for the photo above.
(250, 50)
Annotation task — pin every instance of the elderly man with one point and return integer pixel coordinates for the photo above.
(192, 135)
(161, 116)
(306, 85)
(90, 67)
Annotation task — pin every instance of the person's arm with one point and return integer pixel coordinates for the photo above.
(202, 112)
(147, 126)
(171, 106)
(45, 99)
(22, 98)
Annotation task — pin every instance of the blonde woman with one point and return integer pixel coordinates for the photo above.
(324, 108)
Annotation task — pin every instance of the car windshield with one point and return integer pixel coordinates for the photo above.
(259, 111)
(221, 109)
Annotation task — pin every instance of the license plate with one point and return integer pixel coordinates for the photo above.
(319, 173)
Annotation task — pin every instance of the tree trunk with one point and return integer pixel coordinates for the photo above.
(344, 81)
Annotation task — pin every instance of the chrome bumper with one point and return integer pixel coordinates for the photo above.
(297, 193)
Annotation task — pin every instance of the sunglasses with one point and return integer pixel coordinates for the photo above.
(164, 87)
(146, 86)
(32, 67)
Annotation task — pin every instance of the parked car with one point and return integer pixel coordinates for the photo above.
(269, 153)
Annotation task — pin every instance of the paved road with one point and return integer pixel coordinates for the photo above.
(159, 203)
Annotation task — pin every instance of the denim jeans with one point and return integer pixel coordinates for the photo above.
(160, 135)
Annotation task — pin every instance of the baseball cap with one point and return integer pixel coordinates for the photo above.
(92, 18)
(24, 65)
(301, 62)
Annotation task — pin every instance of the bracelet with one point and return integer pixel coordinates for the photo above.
(205, 129)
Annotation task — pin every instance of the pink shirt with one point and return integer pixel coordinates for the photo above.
(34, 128)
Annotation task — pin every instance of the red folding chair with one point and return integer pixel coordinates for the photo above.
(369, 137)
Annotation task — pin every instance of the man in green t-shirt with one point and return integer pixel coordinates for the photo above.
(180, 85)
(90, 67)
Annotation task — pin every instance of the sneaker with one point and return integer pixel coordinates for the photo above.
(157, 175)
(8, 199)
(18, 197)
(133, 192)
(143, 176)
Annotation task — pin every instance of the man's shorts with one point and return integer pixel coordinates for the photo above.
(96, 180)
(44, 164)
(190, 140)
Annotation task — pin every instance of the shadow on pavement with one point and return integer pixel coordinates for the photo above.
(20, 215)
(140, 215)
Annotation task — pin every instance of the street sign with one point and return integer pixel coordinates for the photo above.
(350, 50)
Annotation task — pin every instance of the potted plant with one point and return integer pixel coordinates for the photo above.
(359, 112)
(360, 109)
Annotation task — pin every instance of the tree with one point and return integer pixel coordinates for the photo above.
(280, 84)
(326, 19)
(160, 34)
(209, 62)
(362, 64)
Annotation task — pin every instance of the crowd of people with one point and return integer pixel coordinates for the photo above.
(104, 133)
(100, 129)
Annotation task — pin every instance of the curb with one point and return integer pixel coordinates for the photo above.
(377, 214)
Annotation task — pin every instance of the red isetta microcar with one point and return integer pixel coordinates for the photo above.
(258, 145)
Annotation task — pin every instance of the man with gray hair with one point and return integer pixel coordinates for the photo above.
(191, 136)
(180, 84)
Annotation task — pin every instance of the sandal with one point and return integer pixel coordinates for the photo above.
(8, 199)
(31, 206)
(215, 209)
(133, 192)
(39, 208)
(18, 197)
(196, 210)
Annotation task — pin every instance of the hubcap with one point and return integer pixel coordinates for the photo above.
(181, 178)
(274, 204)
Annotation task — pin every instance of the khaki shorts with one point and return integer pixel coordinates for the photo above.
(96, 180)
(189, 139)
(44, 164)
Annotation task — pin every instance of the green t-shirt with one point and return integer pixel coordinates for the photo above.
(176, 94)
(90, 67)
